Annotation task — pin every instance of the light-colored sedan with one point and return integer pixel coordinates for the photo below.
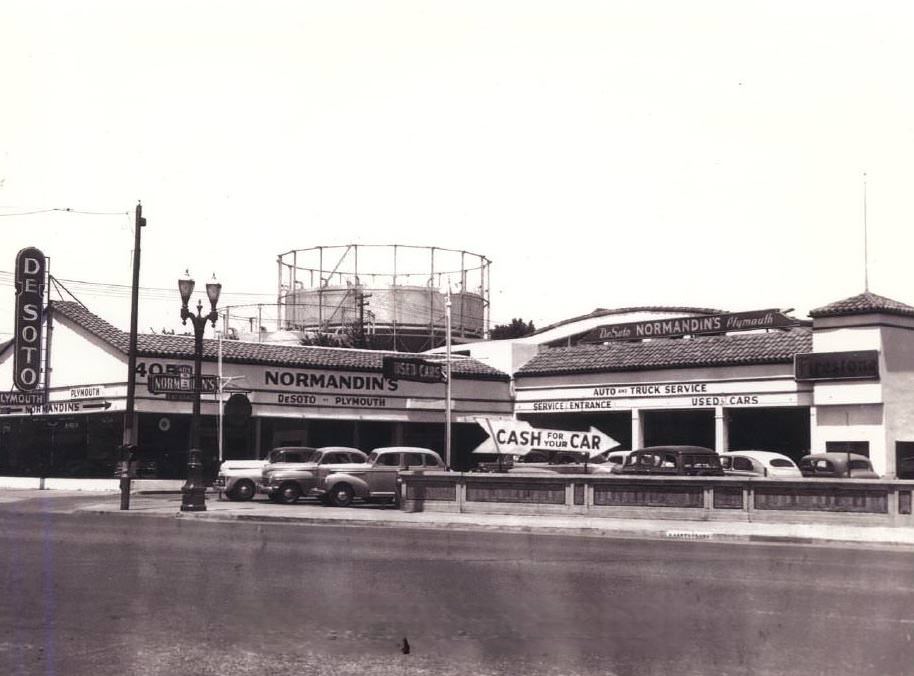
(286, 480)
(240, 479)
(759, 463)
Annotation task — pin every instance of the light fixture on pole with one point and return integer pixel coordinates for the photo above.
(193, 498)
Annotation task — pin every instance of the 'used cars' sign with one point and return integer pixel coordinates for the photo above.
(419, 370)
(30, 268)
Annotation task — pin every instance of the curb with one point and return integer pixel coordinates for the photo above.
(613, 533)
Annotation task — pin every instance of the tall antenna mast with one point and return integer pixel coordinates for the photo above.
(866, 258)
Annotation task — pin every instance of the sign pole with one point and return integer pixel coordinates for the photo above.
(447, 384)
(219, 382)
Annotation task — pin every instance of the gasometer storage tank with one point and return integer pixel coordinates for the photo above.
(391, 296)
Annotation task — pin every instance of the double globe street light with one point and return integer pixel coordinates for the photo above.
(193, 498)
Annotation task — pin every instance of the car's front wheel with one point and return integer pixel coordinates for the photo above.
(242, 490)
(341, 495)
(288, 493)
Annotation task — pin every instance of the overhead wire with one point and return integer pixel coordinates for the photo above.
(67, 210)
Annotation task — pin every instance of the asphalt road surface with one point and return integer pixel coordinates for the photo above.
(117, 594)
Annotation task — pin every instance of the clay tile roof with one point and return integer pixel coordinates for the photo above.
(864, 303)
(776, 347)
(290, 356)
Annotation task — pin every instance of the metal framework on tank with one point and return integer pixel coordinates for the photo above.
(390, 296)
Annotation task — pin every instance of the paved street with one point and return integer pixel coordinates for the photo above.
(91, 593)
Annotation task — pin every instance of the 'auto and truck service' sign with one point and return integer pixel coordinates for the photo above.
(682, 326)
(29, 277)
(626, 396)
(856, 365)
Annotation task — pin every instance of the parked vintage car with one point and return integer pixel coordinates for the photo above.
(287, 479)
(758, 463)
(616, 460)
(561, 462)
(376, 478)
(837, 466)
(673, 460)
(239, 479)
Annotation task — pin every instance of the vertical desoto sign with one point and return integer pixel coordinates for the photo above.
(30, 268)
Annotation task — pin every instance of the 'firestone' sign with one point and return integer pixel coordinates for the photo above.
(29, 277)
(683, 326)
(852, 365)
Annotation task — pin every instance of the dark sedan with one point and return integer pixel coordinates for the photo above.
(673, 461)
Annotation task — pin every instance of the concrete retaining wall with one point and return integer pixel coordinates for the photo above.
(67, 484)
(845, 501)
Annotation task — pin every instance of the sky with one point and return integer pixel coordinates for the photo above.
(600, 154)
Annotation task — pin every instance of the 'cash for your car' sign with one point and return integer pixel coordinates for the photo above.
(508, 436)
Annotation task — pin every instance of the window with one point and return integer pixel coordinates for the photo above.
(355, 457)
(431, 461)
(702, 461)
(858, 447)
(781, 462)
(389, 460)
(669, 460)
(413, 459)
(743, 464)
(725, 462)
(823, 466)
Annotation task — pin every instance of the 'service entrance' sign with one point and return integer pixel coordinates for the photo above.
(29, 277)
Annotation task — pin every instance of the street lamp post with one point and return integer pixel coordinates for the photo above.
(194, 491)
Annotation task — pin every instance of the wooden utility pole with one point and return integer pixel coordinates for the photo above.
(129, 439)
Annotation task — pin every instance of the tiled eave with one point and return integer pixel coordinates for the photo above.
(862, 304)
(233, 351)
(776, 347)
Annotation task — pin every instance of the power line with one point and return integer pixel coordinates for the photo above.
(68, 210)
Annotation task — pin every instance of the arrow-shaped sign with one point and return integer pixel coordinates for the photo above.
(508, 436)
(101, 404)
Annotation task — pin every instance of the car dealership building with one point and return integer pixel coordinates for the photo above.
(749, 380)
(289, 395)
(644, 376)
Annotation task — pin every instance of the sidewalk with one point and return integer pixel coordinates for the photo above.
(385, 516)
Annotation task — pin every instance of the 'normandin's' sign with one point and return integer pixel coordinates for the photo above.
(29, 276)
(683, 326)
